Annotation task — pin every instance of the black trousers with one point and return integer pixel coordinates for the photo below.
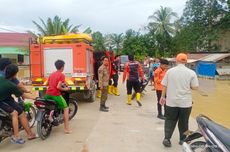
(159, 106)
(174, 115)
(133, 85)
(115, 79)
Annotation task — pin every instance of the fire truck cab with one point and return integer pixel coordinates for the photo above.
(77, 53)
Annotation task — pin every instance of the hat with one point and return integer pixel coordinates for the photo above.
(182, 58)
(151, 59)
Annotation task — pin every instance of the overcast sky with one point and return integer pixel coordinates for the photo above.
(107, 16)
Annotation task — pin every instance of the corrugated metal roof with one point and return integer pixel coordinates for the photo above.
(174, 60)
(215, 57)
(196, 56)
(14, 40)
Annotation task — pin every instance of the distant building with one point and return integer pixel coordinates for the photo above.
(209, 64)
(15, 46)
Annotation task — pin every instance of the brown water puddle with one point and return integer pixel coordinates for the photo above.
(213, 100)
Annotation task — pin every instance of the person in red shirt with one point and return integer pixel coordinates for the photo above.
(133, 72)
(159, 74)
(55, 86)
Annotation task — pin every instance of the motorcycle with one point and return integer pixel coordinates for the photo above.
(6, 129)
(216, 138)
(49, 115)
(143, 84)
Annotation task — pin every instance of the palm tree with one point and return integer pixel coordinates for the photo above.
(116, 41)
(55, 27)
(161, 23)
(98, 41)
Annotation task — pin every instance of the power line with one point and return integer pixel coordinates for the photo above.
(5, 29)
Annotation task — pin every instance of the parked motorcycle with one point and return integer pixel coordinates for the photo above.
(216, 138)
(49, 115)
(6, 129)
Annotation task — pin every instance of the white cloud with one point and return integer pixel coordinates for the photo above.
(107, 16)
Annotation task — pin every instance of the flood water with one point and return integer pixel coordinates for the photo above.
(213, 100)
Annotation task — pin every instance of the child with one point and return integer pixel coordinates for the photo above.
(55, 83)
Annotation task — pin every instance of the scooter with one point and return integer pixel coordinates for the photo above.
(6, 129)
(49, 115)
(216, 138)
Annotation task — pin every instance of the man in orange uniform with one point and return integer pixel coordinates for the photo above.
(133, 72)
(158, 77)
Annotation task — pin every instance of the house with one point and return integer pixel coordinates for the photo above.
(15, 46)
(209, 64)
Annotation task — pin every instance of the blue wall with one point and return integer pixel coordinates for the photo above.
(206, 69)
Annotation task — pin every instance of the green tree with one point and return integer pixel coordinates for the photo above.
(137, 44)
(116, 41)
(55, 26)
(201, 22)
(162, 21)
(163, 28)
(98, 41)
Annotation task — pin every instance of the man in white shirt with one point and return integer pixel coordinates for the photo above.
(177, 85)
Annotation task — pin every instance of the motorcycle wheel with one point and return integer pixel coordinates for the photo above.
(73, 108)
(44, 127)
(31, 114)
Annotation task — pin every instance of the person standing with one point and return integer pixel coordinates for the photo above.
(133, 72)
(103, 82)
(115, 76)
(159, 74)
(177, 85)
(152, 61)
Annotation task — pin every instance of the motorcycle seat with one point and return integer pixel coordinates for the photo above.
(222, 133)
(3, 113)
(52, 102)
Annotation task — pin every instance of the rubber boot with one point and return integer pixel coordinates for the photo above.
(98, 93)
(116, 92)
(138, 98)
(110, 89)
(129, 99)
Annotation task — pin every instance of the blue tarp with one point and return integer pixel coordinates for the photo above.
(206, 69)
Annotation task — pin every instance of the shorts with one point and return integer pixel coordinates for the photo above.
(133, 85)
(60, 101)
(10, 105)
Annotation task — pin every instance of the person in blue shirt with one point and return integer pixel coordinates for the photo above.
(155, 63)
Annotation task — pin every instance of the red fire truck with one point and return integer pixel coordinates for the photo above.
(77, 53)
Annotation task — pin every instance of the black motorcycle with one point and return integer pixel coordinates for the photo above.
(49, 115)
(6, 129)
(143, 84)
(216, 138)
